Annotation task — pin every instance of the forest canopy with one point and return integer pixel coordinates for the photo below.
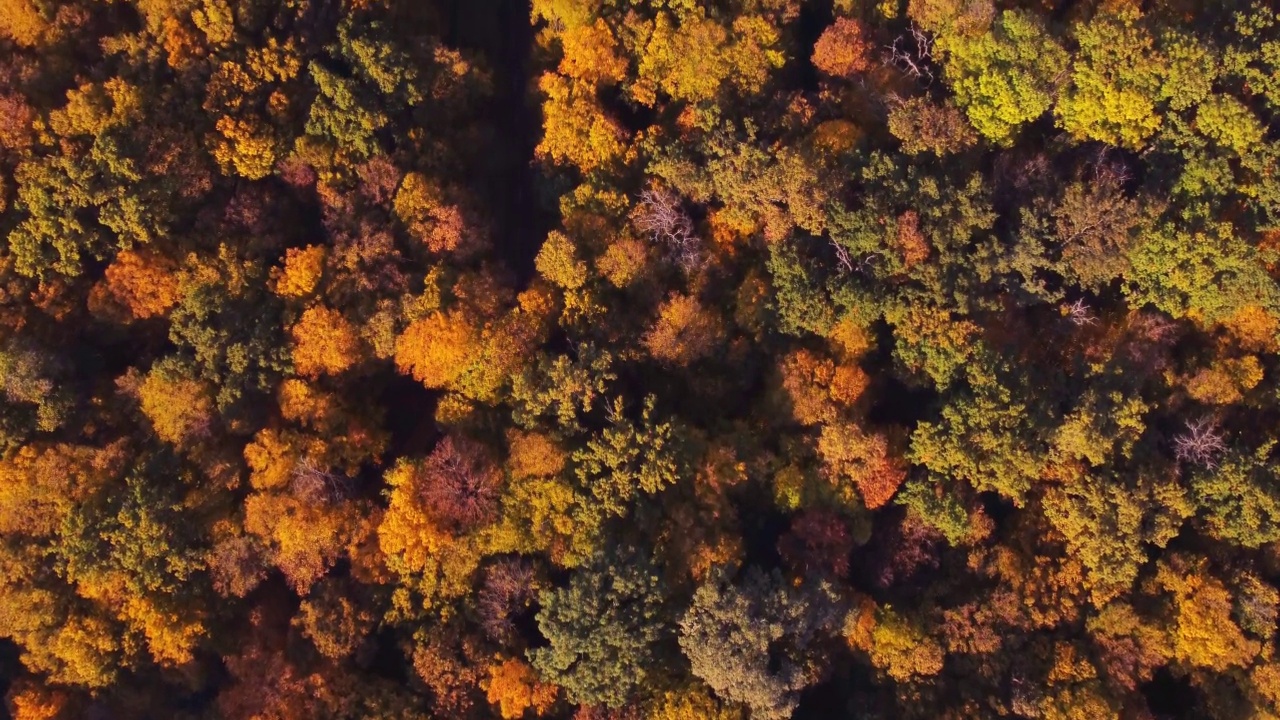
(640, 359)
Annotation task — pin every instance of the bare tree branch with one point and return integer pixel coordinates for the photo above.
(1202, 444)
(661, 215)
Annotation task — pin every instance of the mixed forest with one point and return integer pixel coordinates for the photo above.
(640, 359)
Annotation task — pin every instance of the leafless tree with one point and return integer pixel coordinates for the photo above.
(661, 216)
(460, 484)
(912, 54)
(509, 587)
(842, 256)
(315, 484)
(1148, 339)
(1080, 314)
(848, 263)
(1203, 443)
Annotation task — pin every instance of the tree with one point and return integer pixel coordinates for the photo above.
(850, 454)
(627, 459)
(606, 631)
(757, 642)
(576, 129)
(513, 687)
(145, 284)
(901, 649)
(841, 50)
(1004, 77)
(985, 437)
(924, 126)
(591, 54)
(459, 485)
(685, 331)
(324, 343)
(1115, 83)
(1237, 497)
(178, 406)
(1204, 275)
(24, 22)
(1204, 633)
(421, 205)
(301, 272)
(557, 261)
(334, 619)
(436, 349)
(693, 58)
(1109, 525)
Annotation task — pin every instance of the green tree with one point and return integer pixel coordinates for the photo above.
(1005, 77)
(607, 630)
(758, 641)
(1115, 85)
(1238, 499)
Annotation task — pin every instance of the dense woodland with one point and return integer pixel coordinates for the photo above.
(640, 359)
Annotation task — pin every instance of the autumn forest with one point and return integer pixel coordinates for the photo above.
(640, 359)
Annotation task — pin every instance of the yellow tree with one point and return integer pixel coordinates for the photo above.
(842, 50)
(143, 283)
(325, 343)
(437, 349)
(514, 688)
(301, 272)
(591, 54)
(692, 58)
(1205, 633)
(421, 205)
(23, 22)
(576, 129)
(865, 459)
(180, 408)
(684, 332)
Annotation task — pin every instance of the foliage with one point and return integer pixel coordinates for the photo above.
(606, 631)
(622, 359)
(755, 642)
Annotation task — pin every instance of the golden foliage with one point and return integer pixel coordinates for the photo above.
(692, 59)
(1205, 635)
(818, 388)
(576, 129)
(690, 703)
(305, 537)
(416, 546)
(1226, 381)
(420, 204)
(591, 54)
(514, 688)
(558, 262)
(860, 623)
(902, 650)
(31, 701)
(38, 486)
(143, 283)
(911, 243)
(1254, 329)
(272, 458)
(244, 147)
(534, 455)
(850, 339)
(851, 454)
(301, 272)
(22, 22)
(179, 408)
(324, 343)
(623, 261)
(685, 331)
(842, 50)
